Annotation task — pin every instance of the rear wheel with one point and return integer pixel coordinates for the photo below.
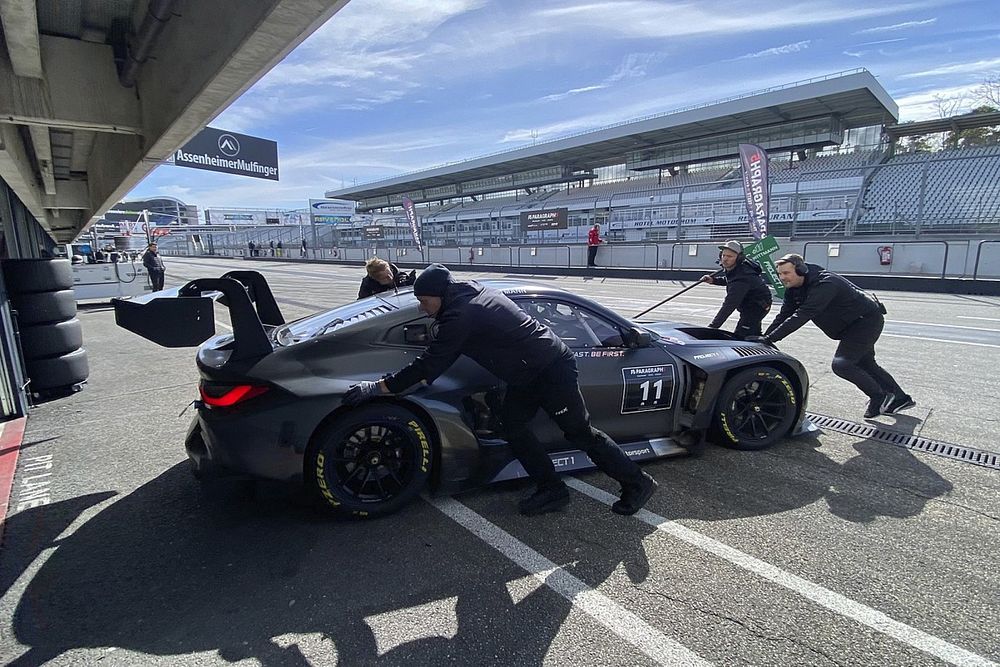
(371, 462)
(756, 408)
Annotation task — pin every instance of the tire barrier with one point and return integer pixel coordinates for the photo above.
(41, 294)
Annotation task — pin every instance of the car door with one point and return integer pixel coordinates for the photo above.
(630, 392)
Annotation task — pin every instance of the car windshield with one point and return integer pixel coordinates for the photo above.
(341, 317)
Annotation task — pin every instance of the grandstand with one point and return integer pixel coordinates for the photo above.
(834, 173)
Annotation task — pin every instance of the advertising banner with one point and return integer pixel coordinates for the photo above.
(231, 153)
(760, 252)
(532, 221)
(374, 233)
(753, 159)
(411, 218)
(331, 211)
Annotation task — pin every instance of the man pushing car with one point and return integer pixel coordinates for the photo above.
(540, 372)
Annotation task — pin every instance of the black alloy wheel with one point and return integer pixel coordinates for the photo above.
(756, 408)
(372, 462)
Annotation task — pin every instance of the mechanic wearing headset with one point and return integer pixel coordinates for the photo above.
(845, 313)
(540, 372)
(383, 276)
(746, 290)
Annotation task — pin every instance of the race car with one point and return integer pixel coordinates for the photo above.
(271, 393)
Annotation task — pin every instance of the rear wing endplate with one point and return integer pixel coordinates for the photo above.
(185, 316)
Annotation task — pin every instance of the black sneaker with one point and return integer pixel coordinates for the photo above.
(896, 402)
(547, 498)
(875, 406)
(635, 495)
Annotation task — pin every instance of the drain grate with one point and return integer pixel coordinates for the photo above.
(977, 457)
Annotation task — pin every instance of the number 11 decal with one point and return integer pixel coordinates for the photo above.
(647, 388)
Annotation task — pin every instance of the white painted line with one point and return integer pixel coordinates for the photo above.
(824, 597)
(940, 340)
(935, 324)
(605, 611)
(970, 317)
(224, 325)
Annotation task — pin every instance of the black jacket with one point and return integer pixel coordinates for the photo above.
(483, 324)
(370, 286)
(153, 262)
(830, 300)
(744, 288)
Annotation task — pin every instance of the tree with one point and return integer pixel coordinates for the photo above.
(988, 92)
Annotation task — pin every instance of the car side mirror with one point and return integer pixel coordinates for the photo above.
(636, 337)
(416, 334)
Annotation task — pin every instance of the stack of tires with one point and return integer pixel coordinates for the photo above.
(41, 293)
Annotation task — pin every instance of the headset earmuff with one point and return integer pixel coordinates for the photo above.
(802, 269)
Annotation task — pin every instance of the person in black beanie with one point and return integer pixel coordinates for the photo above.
(540, 372)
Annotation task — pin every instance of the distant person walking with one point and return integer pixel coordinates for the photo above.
(271, 245)
(251, 247)
(154, 267)
(304, 249)
(594, 241)
(845, 313)
(746, 291)
(281, 249)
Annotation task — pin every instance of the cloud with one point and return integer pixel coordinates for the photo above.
(635, 66)
(855, 54)
(778, 50)
(896, 26)
(572, 91)
(652, 19)
(955, 68)
(882, 41)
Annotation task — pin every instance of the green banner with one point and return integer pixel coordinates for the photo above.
(760, 251)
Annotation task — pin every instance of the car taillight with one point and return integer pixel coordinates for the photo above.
(228, 395)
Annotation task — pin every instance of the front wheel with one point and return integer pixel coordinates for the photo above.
(370, 462)
(756, 408)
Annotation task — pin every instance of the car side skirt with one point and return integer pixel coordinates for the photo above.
(575, 459)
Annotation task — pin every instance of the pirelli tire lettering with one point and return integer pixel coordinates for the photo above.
(756, 407)
(371, 461)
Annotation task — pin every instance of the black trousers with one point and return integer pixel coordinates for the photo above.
(592, 255)
(750, 318)
(557, 392)
(855, 358)
(156, 279)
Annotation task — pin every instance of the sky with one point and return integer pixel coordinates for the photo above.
(388, 87)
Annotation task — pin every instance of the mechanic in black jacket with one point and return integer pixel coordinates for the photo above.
(746, 290)
(383, 276)
(540, 372)
(845, 313)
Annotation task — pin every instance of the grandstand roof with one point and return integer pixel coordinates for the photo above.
(966, 121)
(855, 97)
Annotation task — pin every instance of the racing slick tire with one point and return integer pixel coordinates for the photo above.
(755, 409)
(58, 372)
(48, 340)
(371, 462)
(44, 307)
(28, 276)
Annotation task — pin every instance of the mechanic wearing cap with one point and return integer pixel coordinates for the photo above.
(383, 276)
(746, 290)
(540, 372)
(843, 312)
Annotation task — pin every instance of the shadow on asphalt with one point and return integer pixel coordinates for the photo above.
(881, 480)
(171, 569)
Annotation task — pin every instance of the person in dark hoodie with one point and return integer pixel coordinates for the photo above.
(540, 372)
(383, 276)
(845, 313)
(154, 267)
(746, 291)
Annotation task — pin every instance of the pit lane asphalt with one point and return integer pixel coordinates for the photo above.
(133, 563)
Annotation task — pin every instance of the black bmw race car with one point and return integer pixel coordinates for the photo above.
(271, 392)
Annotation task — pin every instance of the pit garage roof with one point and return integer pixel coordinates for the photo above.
(94, 94)
(855, 96)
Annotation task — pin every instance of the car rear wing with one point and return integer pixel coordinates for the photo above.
(185, 316)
